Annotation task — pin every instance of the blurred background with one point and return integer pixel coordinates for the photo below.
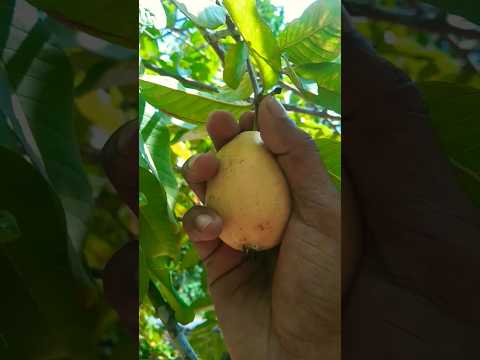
(68, 80)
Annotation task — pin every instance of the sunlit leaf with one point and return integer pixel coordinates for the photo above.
(235, 64)
(157, 232)
(259, 37)
(315, 36)
(327, 74)
(330, 153)
(183, 313)
(169, 96)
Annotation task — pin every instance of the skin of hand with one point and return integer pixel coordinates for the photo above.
(410, 236)
(120, 276)
(283, 303)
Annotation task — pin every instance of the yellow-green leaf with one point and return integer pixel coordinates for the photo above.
(315, 36)
(259, 37)
(235, 64)
(169, 96)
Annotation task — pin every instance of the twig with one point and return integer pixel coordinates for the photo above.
(290, 88)
(187, 82)
(213, 43)
(436, 24)
(176, 332)
(312, 111)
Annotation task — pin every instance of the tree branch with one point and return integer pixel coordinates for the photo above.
(312, 111)
(187, 82)
(176, 332)
(410, 17)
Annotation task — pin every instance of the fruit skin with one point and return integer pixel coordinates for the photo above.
(250, 193)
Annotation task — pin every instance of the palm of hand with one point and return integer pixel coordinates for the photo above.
(282, 303)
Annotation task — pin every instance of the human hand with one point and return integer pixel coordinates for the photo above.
(410, 237)
(282, 303)
(120, 277)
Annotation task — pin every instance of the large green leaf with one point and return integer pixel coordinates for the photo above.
(455, 116)
(157, 231)
(41, 314)
(259, 37)
(327, 75)
(158, 270)
(330, 152)
(315, 36)
(204, 13)
(235, 64)
(40, 76)
(169, 96)
(156, 140)
(115, 21)
(466, 8)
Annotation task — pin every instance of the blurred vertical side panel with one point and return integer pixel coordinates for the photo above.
(411, 179)
(68, 169)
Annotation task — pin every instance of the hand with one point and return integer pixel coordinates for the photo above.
(120, 161)
(410, 237)
(283, 303)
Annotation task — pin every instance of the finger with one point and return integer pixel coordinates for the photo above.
(204, 226)
(120, 279)
(222, 128)
(246, 121)
(198, 170)
(296, 153)
(120, 162)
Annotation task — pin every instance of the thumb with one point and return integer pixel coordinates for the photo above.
(296, 153)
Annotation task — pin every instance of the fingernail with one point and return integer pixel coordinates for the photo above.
(192, 161)
(202, 221)
(274, 107)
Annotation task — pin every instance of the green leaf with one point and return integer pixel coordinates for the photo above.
(242, 92)
(455, 115)
(169, 96)
(330, 153)
(315, 36)
(9, 230)
(235, 64)
(204, 13)
(40, 81)
(466, 8)
(156, 139)
(35, 269)
(328, 78)
(327, 74)
(143, 276)
(183, 313)
(157, 232)
(259, 37)
(120, 26)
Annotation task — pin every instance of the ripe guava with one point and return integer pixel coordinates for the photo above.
(250, 193)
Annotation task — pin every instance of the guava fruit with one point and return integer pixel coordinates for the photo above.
(250, 193)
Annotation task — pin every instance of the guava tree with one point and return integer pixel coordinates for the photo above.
(60, 219)
(197, 57)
